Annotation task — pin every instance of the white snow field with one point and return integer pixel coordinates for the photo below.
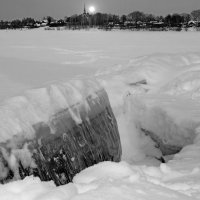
(153, 83)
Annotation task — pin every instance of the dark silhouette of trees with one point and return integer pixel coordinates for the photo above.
(4, 24)
(136, 19)
(159, 18)
(195, 15)
(136, 16)
(149, 18)
(176, 20)
(28, 22)
(75, 20)
(16, 24)
(186, 17)
(168, 20)
(123, 18)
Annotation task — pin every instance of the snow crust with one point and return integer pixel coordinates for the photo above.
(149, 89)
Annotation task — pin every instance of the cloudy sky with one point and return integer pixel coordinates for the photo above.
(10, 9)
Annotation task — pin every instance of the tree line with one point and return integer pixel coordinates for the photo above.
(135, 18)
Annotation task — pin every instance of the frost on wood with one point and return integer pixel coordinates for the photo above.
(68, 138)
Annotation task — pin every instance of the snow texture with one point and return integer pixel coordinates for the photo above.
(57, 131)
(152, 80)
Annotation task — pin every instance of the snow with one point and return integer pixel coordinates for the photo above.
(20, 113)
(146, 104)
(152, 80)
(60, 55)
(109, 181)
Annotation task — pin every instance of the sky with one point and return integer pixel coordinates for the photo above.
(12, 9)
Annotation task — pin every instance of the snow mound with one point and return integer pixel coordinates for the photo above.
(155, 96)
(108, 181)
(31, 188)
(104, 170)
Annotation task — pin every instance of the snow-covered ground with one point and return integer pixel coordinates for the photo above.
(31, 58)
(152, 80)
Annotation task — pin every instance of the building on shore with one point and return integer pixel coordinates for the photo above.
(85, 18)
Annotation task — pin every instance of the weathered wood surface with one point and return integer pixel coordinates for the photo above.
(72, 147)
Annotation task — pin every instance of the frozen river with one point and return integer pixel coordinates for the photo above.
(31, 58)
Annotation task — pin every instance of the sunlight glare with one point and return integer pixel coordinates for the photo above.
(92, 9)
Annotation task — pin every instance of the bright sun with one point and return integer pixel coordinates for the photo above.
(91, 9)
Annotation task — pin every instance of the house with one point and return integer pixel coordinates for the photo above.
(44, 22)
(193, 23)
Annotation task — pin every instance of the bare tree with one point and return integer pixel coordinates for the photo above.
(137, 16)
(195, 15)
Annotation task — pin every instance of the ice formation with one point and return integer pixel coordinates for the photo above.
(57, 131)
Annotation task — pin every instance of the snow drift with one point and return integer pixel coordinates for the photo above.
(57, 131)
(156, 102)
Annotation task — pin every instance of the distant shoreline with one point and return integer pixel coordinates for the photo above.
(172, 29)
